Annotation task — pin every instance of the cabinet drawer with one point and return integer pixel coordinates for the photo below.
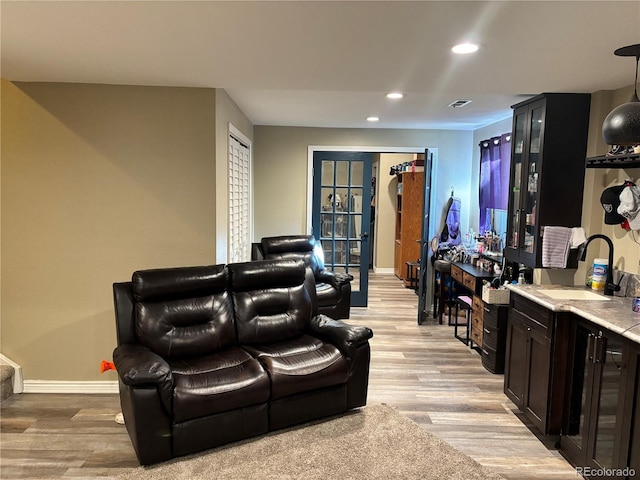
(489, 337)
(476, 335)
(539, 316)
(476, 329)
(494, 338)
(490, 315)
(456, 273)
(492, 360)
(469, 281)
(478, 304)
(495, 316)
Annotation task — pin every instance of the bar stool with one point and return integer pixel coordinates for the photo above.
(442, 289)
(413, 272)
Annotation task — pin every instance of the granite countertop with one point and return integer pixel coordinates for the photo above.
(614, 314)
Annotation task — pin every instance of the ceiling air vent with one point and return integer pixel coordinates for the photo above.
(459, 103)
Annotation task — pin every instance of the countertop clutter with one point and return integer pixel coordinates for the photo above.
(610, 312)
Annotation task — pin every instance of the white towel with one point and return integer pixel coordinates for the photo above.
(555, 247)
(578, 237)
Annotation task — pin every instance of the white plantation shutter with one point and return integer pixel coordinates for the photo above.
(239, 240)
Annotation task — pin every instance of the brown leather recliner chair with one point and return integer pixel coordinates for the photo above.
(333, 289)
(210, 355)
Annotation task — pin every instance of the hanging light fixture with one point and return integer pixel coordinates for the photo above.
(622, 125)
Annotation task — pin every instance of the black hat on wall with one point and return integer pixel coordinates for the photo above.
(610, 200)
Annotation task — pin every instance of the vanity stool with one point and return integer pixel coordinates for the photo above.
(442, 289)
(465, 304)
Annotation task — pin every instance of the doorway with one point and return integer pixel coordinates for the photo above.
(383, 222)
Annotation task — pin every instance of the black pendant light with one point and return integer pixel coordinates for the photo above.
(622, 125)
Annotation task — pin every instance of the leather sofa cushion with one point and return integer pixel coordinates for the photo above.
(288, 243)
(220, 382)
(183, 312)
(181, 282)
(301, 364)
(304, 247)
(187, 327)
(271, 300)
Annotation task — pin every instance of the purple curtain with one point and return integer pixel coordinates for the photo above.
(495, 159)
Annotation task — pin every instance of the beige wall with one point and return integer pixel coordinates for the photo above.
(97, 181)
(281, 164)
(627, 252)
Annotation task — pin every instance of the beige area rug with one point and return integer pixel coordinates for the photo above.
(375, 442)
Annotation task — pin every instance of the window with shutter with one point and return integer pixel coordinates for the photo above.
(239, 233)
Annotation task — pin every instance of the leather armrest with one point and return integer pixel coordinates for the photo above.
(137, 365)
(344, 336)
(335, 279)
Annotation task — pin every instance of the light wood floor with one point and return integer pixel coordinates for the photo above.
(420, 369)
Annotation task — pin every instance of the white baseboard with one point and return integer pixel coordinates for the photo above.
(65, 386)
(384, 271)
(17, 374)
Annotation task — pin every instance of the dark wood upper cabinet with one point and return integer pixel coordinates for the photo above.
(546, 184)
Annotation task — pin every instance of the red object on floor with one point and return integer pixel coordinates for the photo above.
(105, 365)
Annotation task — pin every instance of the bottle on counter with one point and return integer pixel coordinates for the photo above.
(599, 278)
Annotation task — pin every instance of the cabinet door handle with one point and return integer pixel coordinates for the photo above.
(589, 342)
(597, 351)
(488, 332)
(486, 309)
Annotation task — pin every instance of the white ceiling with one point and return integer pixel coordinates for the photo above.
(329, 64)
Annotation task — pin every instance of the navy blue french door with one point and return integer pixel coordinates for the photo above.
(341, 215)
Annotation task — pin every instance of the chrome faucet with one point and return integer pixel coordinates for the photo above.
(609, 286)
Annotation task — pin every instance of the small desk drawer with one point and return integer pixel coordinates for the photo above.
(469, 281)
(478, 304)
(456, 273)
(476, 335)
(476, 328)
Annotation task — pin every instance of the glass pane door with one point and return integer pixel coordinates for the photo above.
(341, 215)
(579, 396)
(610, 361)
(516, 176)
(532, 178)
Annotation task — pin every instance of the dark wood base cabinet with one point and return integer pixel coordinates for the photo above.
(535, 364)
(600, 432)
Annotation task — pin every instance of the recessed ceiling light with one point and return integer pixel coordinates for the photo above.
(395, 95)
(372, 119)
(465, 48)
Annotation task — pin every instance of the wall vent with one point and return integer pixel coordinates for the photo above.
(459, 103)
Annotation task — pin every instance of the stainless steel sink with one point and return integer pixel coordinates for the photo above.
(573, 295)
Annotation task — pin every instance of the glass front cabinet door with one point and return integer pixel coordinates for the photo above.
(547, 171)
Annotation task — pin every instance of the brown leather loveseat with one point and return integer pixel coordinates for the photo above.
(214, 354)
